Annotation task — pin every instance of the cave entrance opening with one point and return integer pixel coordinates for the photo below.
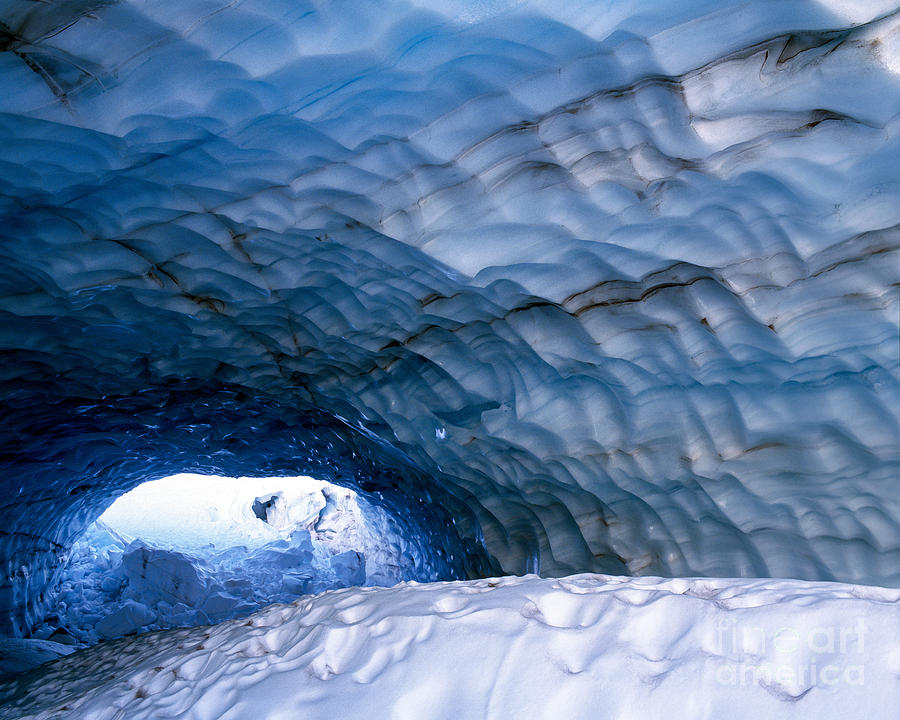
(193, 550)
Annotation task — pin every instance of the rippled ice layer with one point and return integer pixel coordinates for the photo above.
(582, 286)
(190, 550)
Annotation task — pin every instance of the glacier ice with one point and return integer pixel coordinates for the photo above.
(562, 287)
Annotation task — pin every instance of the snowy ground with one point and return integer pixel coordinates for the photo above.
(587, 646)
(191, 550)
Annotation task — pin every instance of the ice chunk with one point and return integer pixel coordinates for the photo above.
(132, 616)
(63, 636)
(296, 584)
(349, 568)
(286, 554)
(220, 605)
(111, 584)
(20, 654)
(155, 574)
(187, 618)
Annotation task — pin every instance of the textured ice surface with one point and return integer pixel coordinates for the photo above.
(566, 287)
(586, 646)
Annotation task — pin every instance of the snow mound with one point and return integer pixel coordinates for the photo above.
(585, 646)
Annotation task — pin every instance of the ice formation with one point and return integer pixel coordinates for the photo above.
(562, 287)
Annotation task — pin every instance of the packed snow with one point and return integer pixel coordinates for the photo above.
(191, 550)
(586, 646)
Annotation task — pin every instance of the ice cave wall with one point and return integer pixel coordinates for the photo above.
(610, 286)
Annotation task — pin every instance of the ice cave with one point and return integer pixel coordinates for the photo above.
(192, 550)
(459, 359)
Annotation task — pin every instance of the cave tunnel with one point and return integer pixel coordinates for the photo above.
(562, 289)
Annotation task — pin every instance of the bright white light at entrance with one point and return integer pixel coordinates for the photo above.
(188, 512)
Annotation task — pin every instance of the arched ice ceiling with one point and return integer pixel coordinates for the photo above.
(609, 287)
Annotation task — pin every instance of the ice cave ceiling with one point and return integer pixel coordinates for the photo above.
(567, 286)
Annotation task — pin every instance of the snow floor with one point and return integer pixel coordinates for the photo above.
(193, 550)
(586, 646)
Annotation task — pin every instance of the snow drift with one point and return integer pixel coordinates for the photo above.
(586, 646)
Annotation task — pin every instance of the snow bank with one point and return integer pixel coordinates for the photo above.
(587, 646)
